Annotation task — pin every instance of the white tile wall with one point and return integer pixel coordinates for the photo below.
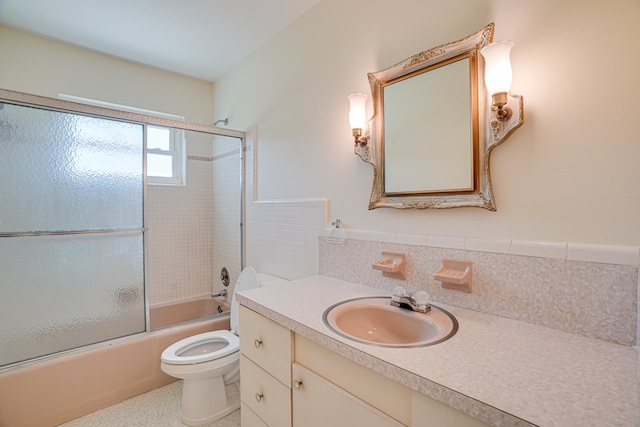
(625, 255)
(607, 254)
(452, 242)
(539, 249)
(412, 239)
(498, 246)
(281, 235)
(226, 209)
(381, 236)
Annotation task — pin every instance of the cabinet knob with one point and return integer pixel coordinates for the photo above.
(259, 397)
(297, 384)
(257, 343)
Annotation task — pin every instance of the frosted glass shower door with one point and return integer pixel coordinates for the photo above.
(71, 231)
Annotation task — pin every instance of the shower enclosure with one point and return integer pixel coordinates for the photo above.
(82, 247)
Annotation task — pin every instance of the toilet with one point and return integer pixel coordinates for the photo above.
(209, 363)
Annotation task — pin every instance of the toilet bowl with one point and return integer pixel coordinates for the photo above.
(209, 365)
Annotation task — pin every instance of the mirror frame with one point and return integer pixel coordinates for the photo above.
(487, 132)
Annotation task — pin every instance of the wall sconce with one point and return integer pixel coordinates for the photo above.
(508, 108)
(358, 118)
(498, 76)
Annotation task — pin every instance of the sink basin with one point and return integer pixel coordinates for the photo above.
(373, 320)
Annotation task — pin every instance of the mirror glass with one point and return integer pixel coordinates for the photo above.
(438, 154)
(429, 142)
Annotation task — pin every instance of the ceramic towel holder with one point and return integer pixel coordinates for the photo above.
(392, 265)
(455, 275)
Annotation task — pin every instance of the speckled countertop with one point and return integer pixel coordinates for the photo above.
(502, 371)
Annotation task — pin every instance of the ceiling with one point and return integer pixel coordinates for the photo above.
(198, 38)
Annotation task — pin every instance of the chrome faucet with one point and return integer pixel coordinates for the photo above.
(418, 301)
(222, 293)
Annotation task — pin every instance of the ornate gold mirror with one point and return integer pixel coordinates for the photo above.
(433, 130)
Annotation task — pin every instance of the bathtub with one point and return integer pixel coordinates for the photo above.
(173, 313)
(67, 386)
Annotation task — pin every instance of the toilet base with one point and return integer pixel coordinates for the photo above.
(205, 401)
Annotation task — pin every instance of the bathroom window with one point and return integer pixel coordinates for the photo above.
(165, 146)
(165, 155)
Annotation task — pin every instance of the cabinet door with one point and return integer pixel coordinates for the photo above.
(319, 403)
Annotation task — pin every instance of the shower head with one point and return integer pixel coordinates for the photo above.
(225, 121)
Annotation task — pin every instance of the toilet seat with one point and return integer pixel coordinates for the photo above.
(227, 342)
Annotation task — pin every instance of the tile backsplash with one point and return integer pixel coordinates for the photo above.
(560, 286)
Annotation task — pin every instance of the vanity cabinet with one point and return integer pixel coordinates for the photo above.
(288, 380)
(361, 390)
(266, 354)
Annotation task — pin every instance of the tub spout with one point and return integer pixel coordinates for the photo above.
(222, 293)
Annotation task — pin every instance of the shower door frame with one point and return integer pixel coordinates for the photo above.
(29, 100)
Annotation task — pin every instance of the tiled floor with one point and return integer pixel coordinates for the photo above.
(157, 408)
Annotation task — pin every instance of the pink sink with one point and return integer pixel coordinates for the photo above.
(373, 320)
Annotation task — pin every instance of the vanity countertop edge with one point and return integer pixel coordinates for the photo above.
(502, 371)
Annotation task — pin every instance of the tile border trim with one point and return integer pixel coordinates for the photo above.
(600, 253)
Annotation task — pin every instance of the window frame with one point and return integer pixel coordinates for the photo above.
(177, 153)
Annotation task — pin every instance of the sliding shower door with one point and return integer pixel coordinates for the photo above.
(71, 231)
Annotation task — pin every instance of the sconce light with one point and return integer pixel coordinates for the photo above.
(498, 76)
(358, 117)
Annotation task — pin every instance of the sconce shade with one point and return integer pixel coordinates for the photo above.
(497, 69)
(357, 112)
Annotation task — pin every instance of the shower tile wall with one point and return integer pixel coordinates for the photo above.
(179, 221)
(226, 209)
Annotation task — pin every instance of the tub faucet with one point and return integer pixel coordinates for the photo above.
(418, 301)
(222, 293)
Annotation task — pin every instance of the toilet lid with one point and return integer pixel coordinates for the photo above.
(248, 279)
(201, 348)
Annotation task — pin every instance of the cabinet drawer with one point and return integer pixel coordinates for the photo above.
(264, 395)
(248, 418)
(267, 344)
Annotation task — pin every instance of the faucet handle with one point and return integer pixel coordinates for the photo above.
(421, 297)
(399, 294)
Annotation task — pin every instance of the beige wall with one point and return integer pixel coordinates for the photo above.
(571, 173)
(43, 67)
